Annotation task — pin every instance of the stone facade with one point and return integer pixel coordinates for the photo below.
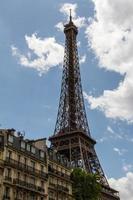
(60, 185)
(25, 172)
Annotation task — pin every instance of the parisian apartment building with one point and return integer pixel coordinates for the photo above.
(29, 170)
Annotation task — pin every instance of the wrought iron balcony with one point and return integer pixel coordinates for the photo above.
(26, 168)
(8, 178)
(58, 173)
(17, 198)
(40, 189)
(59, 188)
(62, 188)
(29, 186)
(52, 185)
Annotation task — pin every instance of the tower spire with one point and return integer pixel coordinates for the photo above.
(70, 15)
(71, 113)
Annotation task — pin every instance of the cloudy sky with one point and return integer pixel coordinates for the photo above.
(31, 55)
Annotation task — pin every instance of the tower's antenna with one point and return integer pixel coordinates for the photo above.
(70, 15)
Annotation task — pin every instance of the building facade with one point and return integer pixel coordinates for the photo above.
(23, 168)
(28, 171)
(60, 184)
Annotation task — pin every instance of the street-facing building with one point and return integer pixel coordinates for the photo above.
(31, 171)
(23, 168)
(60, 184)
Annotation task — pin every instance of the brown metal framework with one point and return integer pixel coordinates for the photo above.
(71, 113)
(72, 135)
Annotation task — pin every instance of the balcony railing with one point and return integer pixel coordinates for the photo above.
(59, 187)
(58, 173)
(26, 168)
(28, 186)
(17, 198)
(8, 178)
(62, 188)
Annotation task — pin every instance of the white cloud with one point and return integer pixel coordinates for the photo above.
(78, 43)
(110, 35)
(124, 185)
(103, 139)
(127, 167)
(111, 134)
(42, 55)
(82, 59)
(109, 129)
(60, 26)
(119, 151)
(66, 7)
(78, 21)
(114, 134)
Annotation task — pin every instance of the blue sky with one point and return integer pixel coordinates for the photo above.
(30, 80)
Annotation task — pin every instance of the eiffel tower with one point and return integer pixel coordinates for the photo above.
(72, 136)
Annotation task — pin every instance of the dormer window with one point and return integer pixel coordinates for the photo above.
(10, 138)
(9, 154)
(1, 141)
(28, 147)
(41, 154)
(33, 150)
(22, 144)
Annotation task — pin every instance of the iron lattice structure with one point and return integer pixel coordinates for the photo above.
(72, 135)
(71, 113)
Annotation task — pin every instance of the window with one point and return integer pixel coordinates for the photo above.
(17, 193)
(1, 139)
(18, 175)
(8, 172)
(9, 154)
(25, 177)
(51, 180)
(32, 197)
(28, 147)
(51, 194)
(33, 164)
(42, 168)
(42, 184)
(25, 161)
(24, 195)
(10, 138)
(1, 142)
(7, 192)
(32, 181)
(22, 144)
(33, 150)
(19, 158)
(58, 157)
(41, 154)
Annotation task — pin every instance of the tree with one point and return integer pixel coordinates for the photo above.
(85, 186)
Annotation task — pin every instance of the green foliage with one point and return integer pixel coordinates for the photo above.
(85, 186)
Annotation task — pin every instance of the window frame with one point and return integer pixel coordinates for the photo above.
(10, 138)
